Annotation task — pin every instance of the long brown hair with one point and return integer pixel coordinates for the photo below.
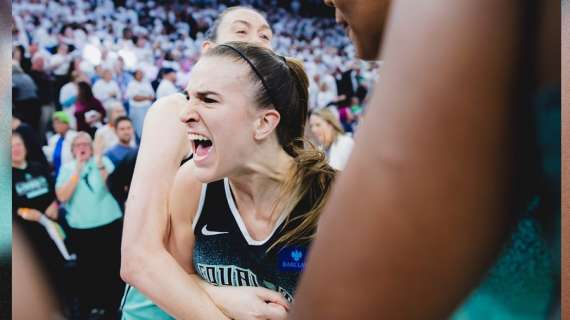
(282, 84)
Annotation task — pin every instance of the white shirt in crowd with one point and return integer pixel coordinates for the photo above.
(67, 93)
(104, 90)
(165, 88)
(324, 98)
(60, 64)
(66, 155)
(67, 99)
(339, 151)
(139, 88)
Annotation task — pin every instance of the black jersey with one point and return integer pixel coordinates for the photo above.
(225, 254)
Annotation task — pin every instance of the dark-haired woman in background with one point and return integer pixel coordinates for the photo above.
(33, 200)
(85, 108)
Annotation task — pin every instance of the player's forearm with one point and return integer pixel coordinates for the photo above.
(157, 275)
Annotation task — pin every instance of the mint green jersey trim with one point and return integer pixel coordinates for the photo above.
(136, 306)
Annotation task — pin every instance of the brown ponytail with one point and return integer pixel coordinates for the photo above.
(312, 176)
(309, 182)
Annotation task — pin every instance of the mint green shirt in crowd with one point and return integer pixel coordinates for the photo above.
(91, 204)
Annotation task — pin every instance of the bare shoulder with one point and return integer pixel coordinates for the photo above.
(168, 105)
(164, 135)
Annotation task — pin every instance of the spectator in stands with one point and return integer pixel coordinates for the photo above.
(34, 204)
(86, 103)
(43, 80)
(25, 96)
(167, 85)
(119, 182)
(58, 150)
(140, 95)
(19, 54)
(31, 139)
(95, 224)
(60, 64)
(68, 95)
(122, 78)
(125, 133)
(326, 96)
(330, 136)
(107, 89)
(107, 132)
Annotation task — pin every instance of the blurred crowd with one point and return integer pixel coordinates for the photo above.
(84, 75)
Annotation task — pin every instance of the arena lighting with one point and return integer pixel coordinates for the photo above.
(92, 54)
(129, 57)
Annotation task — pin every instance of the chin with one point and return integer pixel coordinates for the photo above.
(367, 54)
(368, 49)
(206, 175)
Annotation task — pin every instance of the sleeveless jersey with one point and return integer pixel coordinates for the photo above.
(225, 254)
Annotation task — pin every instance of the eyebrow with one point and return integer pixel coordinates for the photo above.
(207, 92)
(264, 26)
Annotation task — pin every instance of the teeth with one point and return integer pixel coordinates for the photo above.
(194, 136)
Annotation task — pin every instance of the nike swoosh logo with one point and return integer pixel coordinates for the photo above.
(207, 232)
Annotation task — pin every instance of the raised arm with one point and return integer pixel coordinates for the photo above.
(431, 166)
(163, 146)
(164, 278)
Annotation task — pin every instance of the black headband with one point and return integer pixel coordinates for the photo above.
(255, 70)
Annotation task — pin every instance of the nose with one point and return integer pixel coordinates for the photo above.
(188, 113)
(257, 41)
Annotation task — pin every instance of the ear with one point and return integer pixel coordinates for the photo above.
(206, 45)
(266, 123)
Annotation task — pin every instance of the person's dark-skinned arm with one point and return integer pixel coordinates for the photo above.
(431, 166)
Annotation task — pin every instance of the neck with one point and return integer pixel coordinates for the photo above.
(124, 143)
(20, 164)
(329, 141)
(257, 189)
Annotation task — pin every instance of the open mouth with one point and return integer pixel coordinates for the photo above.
(201, 146)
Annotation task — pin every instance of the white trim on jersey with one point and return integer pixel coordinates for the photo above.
(200, 205)
(240, 222)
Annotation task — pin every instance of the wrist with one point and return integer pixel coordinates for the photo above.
(209, 288)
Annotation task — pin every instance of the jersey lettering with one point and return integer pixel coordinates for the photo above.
(237, 277)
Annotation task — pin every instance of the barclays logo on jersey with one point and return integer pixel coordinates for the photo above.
(292, 259)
